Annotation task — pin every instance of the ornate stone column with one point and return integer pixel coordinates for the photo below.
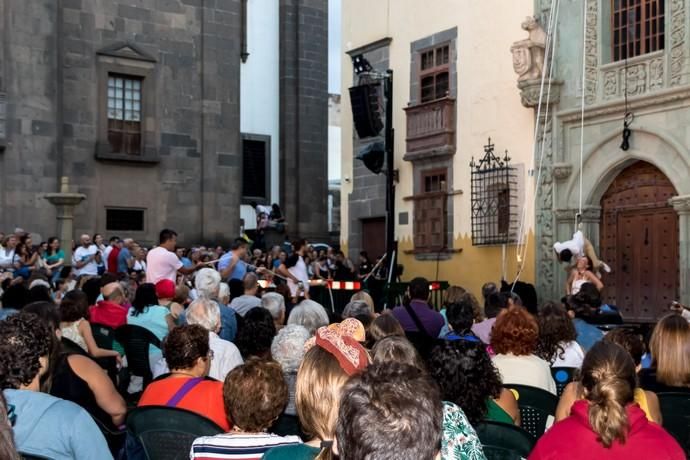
(65, 202)
(682, 206)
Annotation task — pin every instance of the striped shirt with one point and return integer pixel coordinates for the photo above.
(238, 446)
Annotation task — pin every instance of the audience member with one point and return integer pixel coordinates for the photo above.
(583, 308)
(364, 296)
(358, 309)
(430, 320)
(395, 349)
(460, 316)
(557, 345)
(287, 350)
(275, 304)
(207, 284)
(249, 299)
(495, 302)
(110, 311)
(670, 350)
(255, 336)
(309, 314)
(145, 312)
(7, 449)
(384, 325)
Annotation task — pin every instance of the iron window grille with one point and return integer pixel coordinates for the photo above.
(494, 186)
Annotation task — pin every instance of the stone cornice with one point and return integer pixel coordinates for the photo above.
(681, 204)
(369, 47)
(589, 214)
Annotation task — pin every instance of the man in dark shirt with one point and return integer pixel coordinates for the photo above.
(431, 320)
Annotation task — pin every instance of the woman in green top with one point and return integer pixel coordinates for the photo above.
(54, 259)
(468, 378)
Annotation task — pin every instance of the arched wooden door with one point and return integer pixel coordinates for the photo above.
(639, 240)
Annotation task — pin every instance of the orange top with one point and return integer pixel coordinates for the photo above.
(206, 398)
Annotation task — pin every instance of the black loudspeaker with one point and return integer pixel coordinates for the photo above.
(365, 110)
(373, 156)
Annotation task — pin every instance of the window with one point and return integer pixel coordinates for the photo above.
(434, 74)
(637, 27)
(255, 167)
(131, 220)
(124, 114)
(430, 212)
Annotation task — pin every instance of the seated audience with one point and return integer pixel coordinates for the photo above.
(633, 344)
(460, 317)
(188, 354)
(287, 350)
(275, 304)
(468, 378)
(39, 427)
(514, 339)
(145, 312)
(207, 284)
(431, 320)
(74, 309)
(357, 309)
(451, 295)
(254, 395)
(557, 345)
(166, 292)
(309, 314)
(583, 308)
(495, 303)
(670, 350)
(607, 423)
(110, 311)
(249, 299)
(383, 326)
(7, 449)
(323, 372)
(390, 410)
(364, 296)
(256, 334)
(396, 349)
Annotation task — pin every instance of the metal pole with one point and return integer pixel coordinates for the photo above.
(390, 160)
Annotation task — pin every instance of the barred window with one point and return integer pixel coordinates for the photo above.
(124, 114)
(637, 27)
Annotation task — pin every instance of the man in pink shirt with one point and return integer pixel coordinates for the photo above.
(162, 262)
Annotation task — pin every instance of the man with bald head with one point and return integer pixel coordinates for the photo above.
(110, 311)
(86, 258)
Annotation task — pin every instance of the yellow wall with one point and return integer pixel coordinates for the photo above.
(488, 105)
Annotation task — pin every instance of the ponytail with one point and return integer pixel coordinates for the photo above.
(608, 376)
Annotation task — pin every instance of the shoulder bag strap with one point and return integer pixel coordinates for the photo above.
(182, 392)
(415, 318)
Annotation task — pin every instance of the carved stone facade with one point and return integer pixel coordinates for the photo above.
(678, 44)
(591, 52)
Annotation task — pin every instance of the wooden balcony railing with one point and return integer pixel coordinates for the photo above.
(431, 128)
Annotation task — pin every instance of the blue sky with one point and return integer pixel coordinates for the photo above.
(334, 50)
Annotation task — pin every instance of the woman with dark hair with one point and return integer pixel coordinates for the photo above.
(384, 325)
(514, 339)
(145, 312)
(607, 423)
(24, 258)
(7, 449)
(467, 377)
(557, 334)
(188, 354)
(460, 317)
(581, 274)
(255, 334)
(54, 259)
(45, 426)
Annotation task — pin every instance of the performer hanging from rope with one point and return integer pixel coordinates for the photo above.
(571, 250)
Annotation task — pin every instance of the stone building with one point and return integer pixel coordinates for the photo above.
(164, 113)
(635, 203)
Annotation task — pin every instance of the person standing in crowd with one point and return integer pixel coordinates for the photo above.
(125, 259)
(98, 241)
(113, 253)
(295, 270)
(232, 265)
(86, 258)
(607, 423)
(163, 263)
(249, 299)
(112, 243)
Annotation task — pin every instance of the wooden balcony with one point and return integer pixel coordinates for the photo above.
(430, 129)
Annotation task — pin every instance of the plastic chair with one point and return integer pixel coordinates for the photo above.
(103, 335)
(168, 432)
(136, 341)
(536, 405)
(563, 376)
(675, 411)
(503, 441)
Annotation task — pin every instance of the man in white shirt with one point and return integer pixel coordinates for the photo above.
(86, 258)
(295, 270)
(577, 247)
(163, 263)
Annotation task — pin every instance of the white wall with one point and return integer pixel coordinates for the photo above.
(334, 152)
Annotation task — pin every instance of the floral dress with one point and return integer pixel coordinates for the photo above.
(460, 441)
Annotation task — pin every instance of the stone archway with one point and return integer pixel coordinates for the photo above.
(639, 239)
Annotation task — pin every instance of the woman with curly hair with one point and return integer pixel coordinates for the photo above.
(256, 333)
(467, 377)
(514, 340)
(557, 334)
(40, 428)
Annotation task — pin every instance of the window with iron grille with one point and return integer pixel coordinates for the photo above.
(124, 113)
(131, 220)
(494, 199)
(255, 153)
(637, 27)
(429, 223)
(434, 73)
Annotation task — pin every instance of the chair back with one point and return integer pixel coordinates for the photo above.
(563, 376)
(167, 433)
(103, 335)
(136, 341)
(536, 405)
(503, 441)
(675, 412)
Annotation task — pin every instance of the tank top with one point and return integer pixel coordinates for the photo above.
(576, 286)
(72, 333)
(495, 413)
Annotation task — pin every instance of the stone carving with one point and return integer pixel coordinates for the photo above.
(544, 218)
(528, 54)
(677, 41)
(635, 80)
(529, 92)
(562, 170)
(610, 85)
(656, 74)
(591, 54)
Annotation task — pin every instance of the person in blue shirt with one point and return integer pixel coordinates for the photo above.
(232, 265)
(44, 426)
(583, 308)
(125, 259)
(460, 316)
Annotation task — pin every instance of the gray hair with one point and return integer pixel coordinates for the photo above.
(288, 347)
(204, 312)
(223, 290)
(356, 308)
(207, 283)
(274, 303)
(309, 314)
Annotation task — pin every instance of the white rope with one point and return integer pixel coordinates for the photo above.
(582, 108)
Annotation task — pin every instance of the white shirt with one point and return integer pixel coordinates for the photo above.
(81, 254)
(162, 264)
(573, 355)
(6, 258)
(299, 271)
(139, 265)
(525, 370)
(576, 245)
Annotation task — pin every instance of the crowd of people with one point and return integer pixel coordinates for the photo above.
(242, 344)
